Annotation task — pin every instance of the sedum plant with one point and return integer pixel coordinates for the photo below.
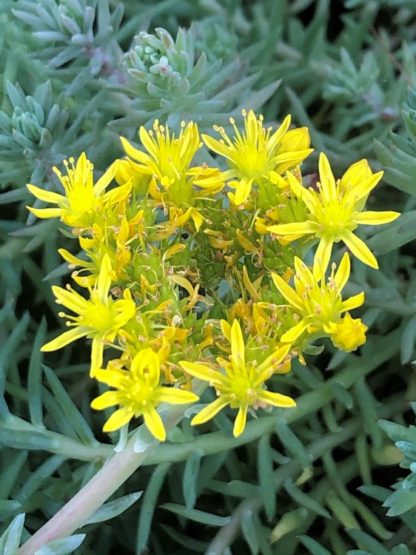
(313, 478)
(183, 286)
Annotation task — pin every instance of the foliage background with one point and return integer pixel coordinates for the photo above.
(329, 481)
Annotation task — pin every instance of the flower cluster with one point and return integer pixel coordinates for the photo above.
(193, 270)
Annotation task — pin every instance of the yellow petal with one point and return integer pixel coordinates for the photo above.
(343, 272)
(104, 279)
(147, 359)
(237, 345)
(46, 196)
(155, 424)
(362, 189)
(268, 366)
(296, 140)
(105, 179)
(247, 245)
(240, 421)
(113, 378)
(294, 333)
(376, 218)
(303, 274)
(197, 218)
(71, 259)
(97, 350)
(209, 411)
(45, 213)
(249, 286)
(175, 396)
(183, 282)
(70, 299)
(287, 292)
(201, 371)
(64, 339)
(217, 146)
(327, 180)
(107, 399)
(294, 228)
(276, 399)
(322, 257)
(288, 160)
(118, 419)
(355, 175)
(359, 249)
(353, 302)
(226, 329)
(279, 133)
(118, 194)
(242, 192)
(174, 249)
(148, 142)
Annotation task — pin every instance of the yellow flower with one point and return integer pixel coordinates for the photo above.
(319, 305)
(82, 199)
(349, 333)
(167, 163)
(257, 153)
(138, 393)
(335, 211)
(239, 385)
(167, 157)
(98, 318)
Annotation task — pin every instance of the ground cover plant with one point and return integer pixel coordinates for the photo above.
(208, 309)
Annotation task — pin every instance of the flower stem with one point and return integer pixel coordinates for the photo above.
(108, 479)
(121, 466)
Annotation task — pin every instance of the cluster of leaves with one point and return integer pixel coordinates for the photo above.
(345, 76)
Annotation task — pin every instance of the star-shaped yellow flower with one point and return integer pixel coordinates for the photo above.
(257, 153)
(319, 308)
(239, 384)
(335, 211)
(99, 318)
(82, 199)
(138, 393)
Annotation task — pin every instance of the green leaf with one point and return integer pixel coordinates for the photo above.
(148, 506)
(313, 546)
(367, 542)
(408, 341)
(342, 395)
(36, 479)
(267, 486)
(11, 347)
(193, 545)
(235, 488)
(367, 404)
(11, 472)
(196, 515)
(399, 233)
(62, 546)
(292, 443)
(10, 540)
(114, 508)
(27, 439)
(35, 377)
(376, 492)
(400, 502)
(250, 531)
(8, 506)
(341, 511)
(190, 477)
(306, 500)
(288, 523)
(73, 415)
